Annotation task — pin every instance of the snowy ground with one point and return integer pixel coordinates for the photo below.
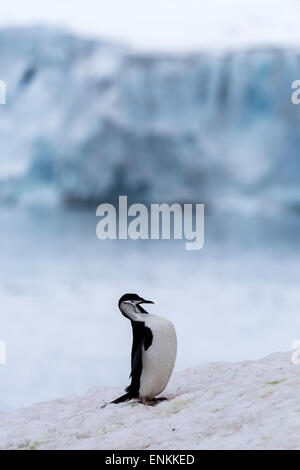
(244, 405)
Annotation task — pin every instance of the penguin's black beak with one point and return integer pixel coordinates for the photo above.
(143, 301)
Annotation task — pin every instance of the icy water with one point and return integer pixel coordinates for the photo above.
(236, 299)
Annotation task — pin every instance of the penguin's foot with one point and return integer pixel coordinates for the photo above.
(148, 402)
(152, 402)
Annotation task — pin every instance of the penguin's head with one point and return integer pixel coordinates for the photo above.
(130, 305)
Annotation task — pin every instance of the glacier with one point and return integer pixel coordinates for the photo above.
(87, 120)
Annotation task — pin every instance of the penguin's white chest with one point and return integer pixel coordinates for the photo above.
(159, 359)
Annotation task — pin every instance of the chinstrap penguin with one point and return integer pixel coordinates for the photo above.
(153, 354)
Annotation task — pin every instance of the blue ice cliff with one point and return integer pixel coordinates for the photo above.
(87, 120)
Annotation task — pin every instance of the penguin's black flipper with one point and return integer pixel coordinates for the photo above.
(137, 358)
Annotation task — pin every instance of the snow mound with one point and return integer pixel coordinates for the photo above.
(244, 405)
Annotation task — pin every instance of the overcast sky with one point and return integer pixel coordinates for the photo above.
(166, 24)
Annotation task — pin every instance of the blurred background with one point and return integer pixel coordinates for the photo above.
(162, 101)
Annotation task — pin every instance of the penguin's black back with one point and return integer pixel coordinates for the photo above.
(142, 337)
